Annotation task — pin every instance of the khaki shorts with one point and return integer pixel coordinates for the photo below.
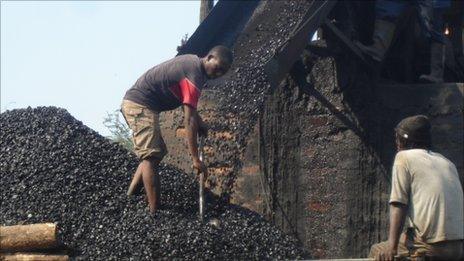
(447, 250)
(146, 132)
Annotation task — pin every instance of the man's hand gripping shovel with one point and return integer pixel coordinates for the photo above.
(214, 222)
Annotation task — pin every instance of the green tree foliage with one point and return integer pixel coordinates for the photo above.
(183, 41)
(118, 128)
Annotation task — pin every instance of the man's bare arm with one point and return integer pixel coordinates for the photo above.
(191, 125)
(397, 217)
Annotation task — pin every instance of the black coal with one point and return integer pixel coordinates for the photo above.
(242, 90)
(54, 168)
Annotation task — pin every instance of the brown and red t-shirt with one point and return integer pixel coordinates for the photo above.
(170, 84)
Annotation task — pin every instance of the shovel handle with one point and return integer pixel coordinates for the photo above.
(201, 180)
(201, 196)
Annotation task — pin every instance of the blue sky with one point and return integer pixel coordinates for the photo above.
(84, 55)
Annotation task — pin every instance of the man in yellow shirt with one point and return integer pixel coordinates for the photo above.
(426, 195)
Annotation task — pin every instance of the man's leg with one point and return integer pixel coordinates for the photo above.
(151, 183)
(437, 64)
(156, 180)
(157, 186)
(135, 187)
(149, 147)
(382, 246)
(386, 13)
(376, 249)
(131, 112)
(431, 21)
(147, 177)
(382, 38)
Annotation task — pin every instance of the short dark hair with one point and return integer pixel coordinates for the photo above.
(409, 144)
(414, 132)
(223, 53)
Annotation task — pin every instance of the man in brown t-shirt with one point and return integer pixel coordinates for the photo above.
(176, 82)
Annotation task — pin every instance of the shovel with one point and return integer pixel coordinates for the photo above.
(201, 181)
(214, 222)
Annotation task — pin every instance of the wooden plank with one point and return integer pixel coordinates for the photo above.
(28, 237)
(33, 257)
(347, 259)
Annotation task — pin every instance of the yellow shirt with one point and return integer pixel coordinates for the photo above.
(429, 184)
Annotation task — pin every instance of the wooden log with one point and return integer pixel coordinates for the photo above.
(32, 257)
(28, 237)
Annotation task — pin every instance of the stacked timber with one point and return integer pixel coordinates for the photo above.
(28, 242)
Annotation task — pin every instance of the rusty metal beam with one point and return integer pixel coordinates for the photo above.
(223, 25)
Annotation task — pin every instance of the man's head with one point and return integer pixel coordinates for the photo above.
(217, 62)
(413, 133)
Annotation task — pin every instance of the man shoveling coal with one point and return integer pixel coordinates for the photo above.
(176, 82)
(426, 196)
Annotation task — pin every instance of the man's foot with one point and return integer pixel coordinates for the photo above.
(151, 208)
(437, 64)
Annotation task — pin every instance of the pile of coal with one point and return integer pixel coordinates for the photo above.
(55, 169)
(243, 89)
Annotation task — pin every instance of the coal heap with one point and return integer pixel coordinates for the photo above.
(55, 169)
(242, 90)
